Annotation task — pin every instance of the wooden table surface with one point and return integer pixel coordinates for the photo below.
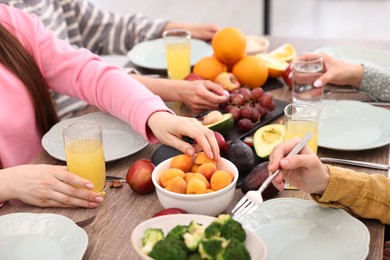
(109, 235)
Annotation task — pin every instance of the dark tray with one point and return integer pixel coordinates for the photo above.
(164, 152)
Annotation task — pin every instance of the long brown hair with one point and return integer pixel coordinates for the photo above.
(16, 58)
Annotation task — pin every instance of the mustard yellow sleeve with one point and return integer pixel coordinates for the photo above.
(363, 195)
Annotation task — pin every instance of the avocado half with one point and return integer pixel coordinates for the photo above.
(267, 137)
(224, 125)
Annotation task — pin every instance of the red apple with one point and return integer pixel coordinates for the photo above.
(228, 81)
(221, 141)
(139, 176)
(169, 211)
(286, 75)
(192, 77)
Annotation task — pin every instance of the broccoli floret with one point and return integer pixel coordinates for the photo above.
(177, 232)
(234, 250)
(194, 256)
(225, 226)
(194, 235)
(151, 237)
(210, 248)
(169, 249)
(233, 229)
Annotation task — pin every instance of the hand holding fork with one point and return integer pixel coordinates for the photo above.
(252, 199)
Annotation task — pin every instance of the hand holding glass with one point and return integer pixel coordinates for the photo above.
(300, 118)
(307, 68)
(84, 153)
(178, 53)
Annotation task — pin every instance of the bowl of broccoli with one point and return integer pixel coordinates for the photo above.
(192, 236)
(210, 204)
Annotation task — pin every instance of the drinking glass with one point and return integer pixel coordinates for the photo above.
(307, 68)
(178, 53)
(84, 152)
(300, 118)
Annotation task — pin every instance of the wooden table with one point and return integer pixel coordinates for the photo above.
(109, 235)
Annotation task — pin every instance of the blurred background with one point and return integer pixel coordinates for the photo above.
(341, 19)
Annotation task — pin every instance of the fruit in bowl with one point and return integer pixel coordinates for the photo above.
(217, 196)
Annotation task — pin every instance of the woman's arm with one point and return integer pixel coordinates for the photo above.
(198, 95)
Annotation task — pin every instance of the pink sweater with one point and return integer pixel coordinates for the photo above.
(77, 73)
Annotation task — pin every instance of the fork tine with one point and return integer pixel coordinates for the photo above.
(245, 210)
(243, 207)
(253, 209)
(240, 203)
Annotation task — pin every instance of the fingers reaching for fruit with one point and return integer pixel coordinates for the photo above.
(171, 129)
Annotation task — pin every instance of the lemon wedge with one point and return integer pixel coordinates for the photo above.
(285, 52)
(275, 66)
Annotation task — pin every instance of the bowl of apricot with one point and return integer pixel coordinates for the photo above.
(198, 185)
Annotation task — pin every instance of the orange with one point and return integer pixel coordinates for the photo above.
(275, 66)
(251, 71)
(285, 52)
(229, 45)
(209, 68)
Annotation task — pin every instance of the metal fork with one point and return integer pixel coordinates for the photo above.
(252, 199)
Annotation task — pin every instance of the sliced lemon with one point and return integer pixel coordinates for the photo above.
(285, 52)
(275, 66)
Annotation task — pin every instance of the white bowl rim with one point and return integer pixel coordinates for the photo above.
(196, 196)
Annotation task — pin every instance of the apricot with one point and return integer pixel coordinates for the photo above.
(188, 176)
(201, 176)
(207, 169)
(168, 174)
(195, 167)
(182, 162)
(209, 190)
(177, 184)
(220, 180)
(196, 186)
(201, 158)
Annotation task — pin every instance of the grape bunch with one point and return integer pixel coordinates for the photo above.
(248, 106)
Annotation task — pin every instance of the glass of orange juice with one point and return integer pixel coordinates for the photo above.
(178, 53)
(300, 118)
(84, 152)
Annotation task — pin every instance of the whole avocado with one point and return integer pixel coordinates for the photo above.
(241, 155)
(255, 179)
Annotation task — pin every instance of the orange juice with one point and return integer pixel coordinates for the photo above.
(299, 129)
(178, 59)
(85, 157)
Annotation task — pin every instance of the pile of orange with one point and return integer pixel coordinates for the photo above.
(229, 46)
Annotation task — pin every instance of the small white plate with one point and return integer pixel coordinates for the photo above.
(119, 138)
(25, 236)
(253, 243)
(358, 54)
(301, 229)
(151, 54)
(353, 125)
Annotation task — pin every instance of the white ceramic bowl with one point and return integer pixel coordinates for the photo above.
(255, 245)
(210, 204)
(256, 44)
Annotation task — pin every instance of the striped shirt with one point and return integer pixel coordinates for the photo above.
(84, 25)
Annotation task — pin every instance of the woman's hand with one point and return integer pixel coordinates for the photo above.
(170, 129)
(304, 171)
(201, 95)
(339, 72)
(200, 31)
(47, 186)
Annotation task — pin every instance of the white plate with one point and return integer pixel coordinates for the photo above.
(353, 125)
(151, 54)
(119, 138)
(253, 243)
(26, 236)
(301, 229)
(359, 54)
